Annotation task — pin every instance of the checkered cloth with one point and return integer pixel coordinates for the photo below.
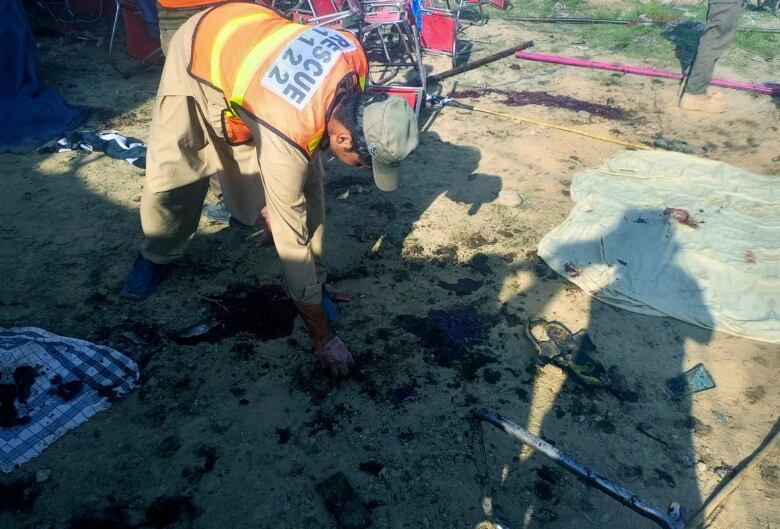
(103, 372)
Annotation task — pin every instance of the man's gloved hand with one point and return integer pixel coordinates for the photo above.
(335, 357)
(331, 351)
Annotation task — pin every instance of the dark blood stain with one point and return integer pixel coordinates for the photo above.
(516, 99)
(481, 263)
(168, 510)
(491, 376)
(168, 447)
(283, 436)
(69, 390)
(542, 270)
(195, 473)
(19, 495)
(404, 394)
(373, 504)
(463, 287)
(548, 474)
(666, 477)
(630, 471)
(265, 311)
(682, 216)
(477, 240)
(371, 467)
(606, 426)
(97, 522)
(447, 333)
(543, 490)
(445, 255)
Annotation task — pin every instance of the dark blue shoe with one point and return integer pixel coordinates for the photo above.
(144, 279)
(330, 308)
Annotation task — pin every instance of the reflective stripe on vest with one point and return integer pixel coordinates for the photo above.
(283, 74)
(222, 37)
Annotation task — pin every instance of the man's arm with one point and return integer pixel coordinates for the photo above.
(285, 174)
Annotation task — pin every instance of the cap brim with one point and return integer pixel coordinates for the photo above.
(386, 176)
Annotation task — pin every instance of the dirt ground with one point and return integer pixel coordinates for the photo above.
(246, 428)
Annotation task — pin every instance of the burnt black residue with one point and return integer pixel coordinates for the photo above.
(371, 467)
(168, 510)
(265, 311)
(23, 380)
(19, 495)
(283, 436)
(518, 99)
(452, 337)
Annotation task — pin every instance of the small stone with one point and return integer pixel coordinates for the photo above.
(580, 418)
(604, 518)
(675, 436)
(701, 468)
(584, 115)
(509, 197)
(42, 475)
(137, 198)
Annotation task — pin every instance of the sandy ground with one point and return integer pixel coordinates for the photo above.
(246, 428)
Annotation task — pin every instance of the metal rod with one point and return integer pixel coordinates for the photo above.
(622, 22)
(715, 502)
(480, 62)
(768, 88)
(673, 519)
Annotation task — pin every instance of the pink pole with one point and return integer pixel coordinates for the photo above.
(771, 89)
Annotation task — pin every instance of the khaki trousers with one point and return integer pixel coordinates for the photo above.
(718, 34)
(170, 20)
(186, 147)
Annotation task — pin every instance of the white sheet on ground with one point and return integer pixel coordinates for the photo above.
(618, 245)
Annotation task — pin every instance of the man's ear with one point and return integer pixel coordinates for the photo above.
(344, 139)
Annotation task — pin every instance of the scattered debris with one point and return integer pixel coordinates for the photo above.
(569, 351)
(670, 144)
(692, 381)
(343, 504)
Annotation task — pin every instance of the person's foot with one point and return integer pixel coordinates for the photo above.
(143, 279)
(217, 212)
(712, 104)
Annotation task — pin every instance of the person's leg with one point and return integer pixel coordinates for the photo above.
(174, 189)
(170, 21)
(718, 34)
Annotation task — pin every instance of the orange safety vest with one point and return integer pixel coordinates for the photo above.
(188, 4)
(285, 75)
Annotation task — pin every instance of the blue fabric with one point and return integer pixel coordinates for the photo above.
(417, 12)
(148, 9)
(31, 114)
